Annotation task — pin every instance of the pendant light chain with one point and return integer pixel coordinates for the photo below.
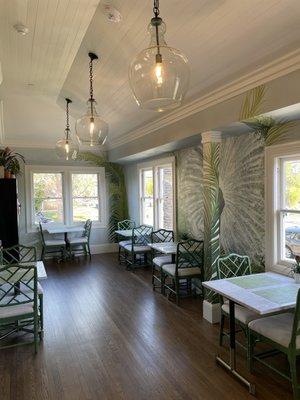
(67, 119)
(91, 87)
(156, 21)
(156, 8)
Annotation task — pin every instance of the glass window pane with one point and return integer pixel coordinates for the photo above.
(292, 185)
(85, 208)
(48, 210)
(148, 183)
(291, 235)
(148, 212)
(47, 185)
(165, 203)
(85, 185)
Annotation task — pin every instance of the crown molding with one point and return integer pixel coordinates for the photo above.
(275, 69)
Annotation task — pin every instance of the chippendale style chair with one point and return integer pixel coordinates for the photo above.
(188, 265)
(158, 260)
(137, 252)
(81, 244)
(51, 246)
(124, 225)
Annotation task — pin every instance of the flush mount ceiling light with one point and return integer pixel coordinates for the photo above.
(159, 75)
(90, 128)
(111, 13)
(67, 148)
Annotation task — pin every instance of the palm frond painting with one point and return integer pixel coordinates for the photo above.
(190, 192)
(118, 207)
(265, 127)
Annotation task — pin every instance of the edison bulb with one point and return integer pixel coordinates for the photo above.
(67, 149)
(158, 74)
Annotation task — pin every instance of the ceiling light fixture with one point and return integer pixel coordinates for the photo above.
(67, 148)
(21, 29)
(90, 128)
(111, 13)
(159, 75)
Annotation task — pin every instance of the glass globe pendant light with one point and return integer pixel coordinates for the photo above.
(90, 128)
(67, 148)
(159, 75)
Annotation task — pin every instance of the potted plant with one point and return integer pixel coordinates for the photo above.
(10, 161)
(296, 269)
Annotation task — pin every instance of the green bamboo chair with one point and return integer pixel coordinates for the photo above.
(282, 332)
(81, 245)
(188, 265)
(20, 254)
(136, 253)
(52, 246)
(158, 260)
(126, 224)
(231, 266)
(18, 302)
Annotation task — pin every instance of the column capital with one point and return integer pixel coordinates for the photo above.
(211, 137)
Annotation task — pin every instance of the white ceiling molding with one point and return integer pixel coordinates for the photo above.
(278, 68)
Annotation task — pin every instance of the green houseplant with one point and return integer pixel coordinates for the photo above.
(296, 269)
(11, 162)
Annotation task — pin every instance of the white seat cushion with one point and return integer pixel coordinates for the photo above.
(137, 248)
(276, 327)
(14, 311)
(77, 240)
(124, 243)
(182, 272)
(55, 242)
(241, 313)
(161, 260)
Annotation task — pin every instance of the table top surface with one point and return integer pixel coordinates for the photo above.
(124, 232)
(263, 293)
(41, 271)
(164, 247)
(63, 229)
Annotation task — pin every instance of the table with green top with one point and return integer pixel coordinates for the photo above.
(264, 293)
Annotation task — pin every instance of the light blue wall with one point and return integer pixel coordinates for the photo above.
(46, 157)
(132, 187)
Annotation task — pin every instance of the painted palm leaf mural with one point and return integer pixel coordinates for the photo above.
(118, 207)
(190, 192)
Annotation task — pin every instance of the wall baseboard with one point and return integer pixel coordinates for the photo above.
(211, 312)
(104, 248)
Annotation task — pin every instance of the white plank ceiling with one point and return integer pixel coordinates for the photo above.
(223, 39)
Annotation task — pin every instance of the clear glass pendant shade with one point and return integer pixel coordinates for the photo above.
(90, 128)
(159, 75)
(67, 148)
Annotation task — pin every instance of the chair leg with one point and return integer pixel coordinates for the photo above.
(293, 369)
(41, 308)
(163, 281)
(119, 254)
(43, 254)
(36, 332)
(250, 350)
(221, 334)
(176, 281)
(89, 251)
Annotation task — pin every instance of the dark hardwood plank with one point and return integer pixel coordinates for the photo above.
(109, 336)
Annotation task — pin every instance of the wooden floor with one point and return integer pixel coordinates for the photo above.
(109, 336)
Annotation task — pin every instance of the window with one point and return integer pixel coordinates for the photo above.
(85, 197)
(47, 197)
(157, 193)
(65, 195)
(282, 205)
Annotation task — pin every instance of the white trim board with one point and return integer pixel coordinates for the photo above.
(272, 157)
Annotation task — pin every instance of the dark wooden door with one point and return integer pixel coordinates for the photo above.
(8, 213)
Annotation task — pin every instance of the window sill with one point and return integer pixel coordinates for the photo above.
(283, 269)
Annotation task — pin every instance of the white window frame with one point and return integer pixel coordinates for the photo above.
(66, 172)
(274, 157)
(154, 165)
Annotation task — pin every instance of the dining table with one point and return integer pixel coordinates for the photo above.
(65, 229)
(265, 293)
(169, 248)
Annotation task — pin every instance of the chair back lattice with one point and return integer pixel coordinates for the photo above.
(18, 285)
(125, 225)
(18, 254)
(233, 265)
(42, 234)
(162, 235)
(190, 254)
(141, 235)
(87, 229)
